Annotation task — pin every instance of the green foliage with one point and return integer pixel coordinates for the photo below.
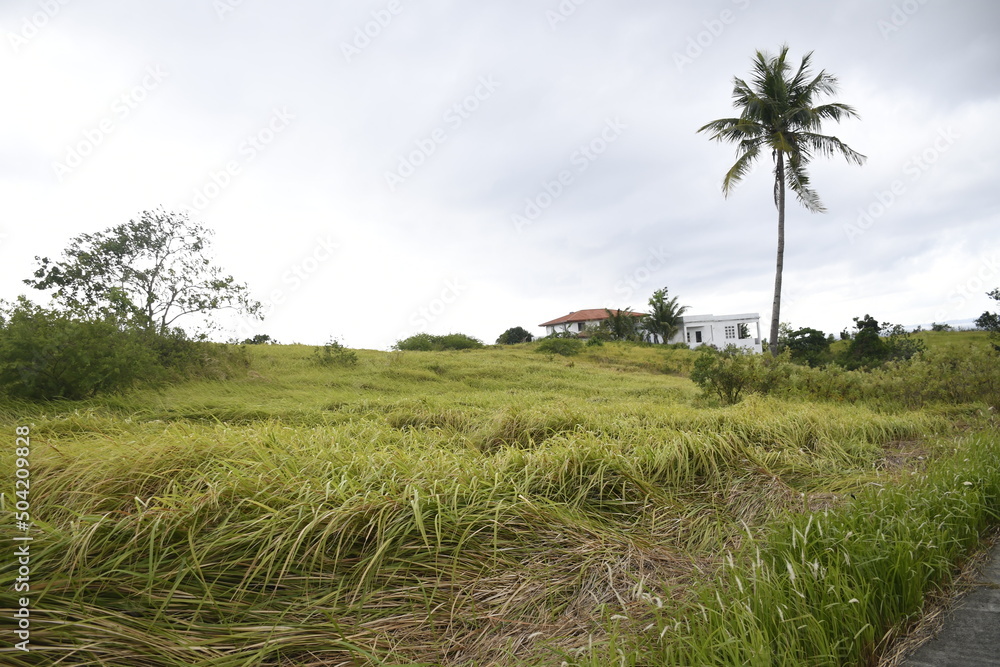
(935, 326)
(49, 354)
(809, 346)
(334, 354)
(567, 347)
(146, 273)
(425, 342)
(259, 339)
(732, 373)
(514, 335)
(991, 321)
(622, 325)
(828, 587)
(664, 318)
(876, 344)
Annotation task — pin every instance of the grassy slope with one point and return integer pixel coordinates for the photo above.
(445, 508)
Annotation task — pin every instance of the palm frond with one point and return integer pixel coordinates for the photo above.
(828, 146)
(798, 182)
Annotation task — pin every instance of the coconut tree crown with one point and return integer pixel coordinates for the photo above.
(778, 113)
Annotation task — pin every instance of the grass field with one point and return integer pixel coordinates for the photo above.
(488, 507)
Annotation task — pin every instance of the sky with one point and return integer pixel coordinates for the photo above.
(380, 168)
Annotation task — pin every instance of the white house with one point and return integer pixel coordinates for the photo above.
(741, 330)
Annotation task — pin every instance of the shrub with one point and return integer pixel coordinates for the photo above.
(567, 347)
(809, 346)
(731, 373)
(259, 339)
(48, 354)
(334, 354)
(514, 335)
(425, 342)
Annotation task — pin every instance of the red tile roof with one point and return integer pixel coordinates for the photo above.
(586, 316)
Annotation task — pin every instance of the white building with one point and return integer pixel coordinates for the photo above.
(741, 330)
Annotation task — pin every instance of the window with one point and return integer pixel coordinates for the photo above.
(744, 331)
(689, 336)
(579, 327)
(731, 331)
(697, 336)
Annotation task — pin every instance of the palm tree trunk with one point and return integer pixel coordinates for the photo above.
(779, 175)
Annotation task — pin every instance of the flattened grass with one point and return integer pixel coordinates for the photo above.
(484, 507)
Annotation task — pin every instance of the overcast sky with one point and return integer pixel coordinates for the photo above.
(372, 169)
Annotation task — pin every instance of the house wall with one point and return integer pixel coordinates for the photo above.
(712, 328)
(714, 331)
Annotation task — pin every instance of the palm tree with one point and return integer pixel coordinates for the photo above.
(622, 324)
(777, 113)
(664, 316)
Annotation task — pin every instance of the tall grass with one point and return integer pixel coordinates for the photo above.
(830, 587)
(483, 507)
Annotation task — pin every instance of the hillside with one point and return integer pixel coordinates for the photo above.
(495, 506)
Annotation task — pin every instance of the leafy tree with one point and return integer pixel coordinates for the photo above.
(935, 326)
(622, 324)
(809, 346)
(259, 339)
(874, 344)
(991, 321)
(779, 115)
(664, 319)
(514, 335)
(866, 348)
(147, 273)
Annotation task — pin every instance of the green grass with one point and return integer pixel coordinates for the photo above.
(494, 506)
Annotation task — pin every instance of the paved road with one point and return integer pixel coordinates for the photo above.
(971, 633)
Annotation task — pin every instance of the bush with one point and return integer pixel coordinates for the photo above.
(733, 372)
(875, 345)
(514, 335)
(334, 354)
(47, 354)
(424, 342)
(809, 346)
(567, 347)
(259, 339)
